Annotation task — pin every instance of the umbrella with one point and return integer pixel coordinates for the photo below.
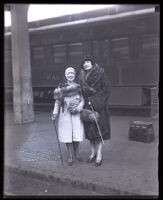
(59, 147)
(98, 127)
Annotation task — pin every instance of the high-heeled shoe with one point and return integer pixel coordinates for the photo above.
(79, 158)
(90, 160)
(98, 163)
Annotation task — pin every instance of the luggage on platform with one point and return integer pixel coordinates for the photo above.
(141, 131)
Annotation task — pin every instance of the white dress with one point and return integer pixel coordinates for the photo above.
(70, 126)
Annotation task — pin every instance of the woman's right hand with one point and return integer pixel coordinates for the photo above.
(73, 110)
(54, 116)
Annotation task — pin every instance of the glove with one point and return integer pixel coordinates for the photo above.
(89, 90)
(54, 116)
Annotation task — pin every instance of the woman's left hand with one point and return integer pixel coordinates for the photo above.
(89, 90)
(73, 110)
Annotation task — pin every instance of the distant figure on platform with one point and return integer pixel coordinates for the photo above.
(68, 105)
(96, 91)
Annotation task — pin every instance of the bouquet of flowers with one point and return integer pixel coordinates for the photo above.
(73, 107)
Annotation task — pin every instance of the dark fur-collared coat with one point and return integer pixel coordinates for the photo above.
(96, 88)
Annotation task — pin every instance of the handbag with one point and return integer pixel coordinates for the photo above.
(89, 116)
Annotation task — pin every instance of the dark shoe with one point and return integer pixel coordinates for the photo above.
(97, 164)
(79, 158)
(70, 162)
(90, 160)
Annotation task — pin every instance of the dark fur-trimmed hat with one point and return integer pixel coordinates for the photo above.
(87, 58)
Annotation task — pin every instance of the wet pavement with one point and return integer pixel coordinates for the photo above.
(21, 185)
(129, 167)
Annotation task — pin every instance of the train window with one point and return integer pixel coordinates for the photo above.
(8, 67)
(59, 53)
(105, 47)
(120, 48)
(100, 51)
(7, 57)
(75, 52)
(38, 52)
(150, 46)
(96, 50)
(106, 51)
(38, 56)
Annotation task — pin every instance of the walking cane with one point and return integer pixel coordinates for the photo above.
(98, 127)
(59, 147)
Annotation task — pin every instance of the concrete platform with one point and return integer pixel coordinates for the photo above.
(128, 168)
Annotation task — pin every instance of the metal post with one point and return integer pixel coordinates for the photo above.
(59, 147)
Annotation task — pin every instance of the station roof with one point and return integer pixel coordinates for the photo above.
(89, 16)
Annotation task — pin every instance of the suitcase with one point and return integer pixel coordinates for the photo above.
(141, 131)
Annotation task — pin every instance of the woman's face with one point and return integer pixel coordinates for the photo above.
(87, 65)
(70, 76)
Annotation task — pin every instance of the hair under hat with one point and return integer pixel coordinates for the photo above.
(87, 58)
(69, 69)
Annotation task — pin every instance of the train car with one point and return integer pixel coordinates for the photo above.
(124, 42)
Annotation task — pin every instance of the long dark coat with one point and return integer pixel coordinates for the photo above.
(95, 86)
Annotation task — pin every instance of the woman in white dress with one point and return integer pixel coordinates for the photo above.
(68, 105)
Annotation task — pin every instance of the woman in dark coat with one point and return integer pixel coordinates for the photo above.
(96, 89)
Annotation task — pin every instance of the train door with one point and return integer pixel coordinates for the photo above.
(101, 52)
(75, 55)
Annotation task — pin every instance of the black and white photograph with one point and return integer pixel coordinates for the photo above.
(81, 100)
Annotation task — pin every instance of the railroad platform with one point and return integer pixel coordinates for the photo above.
(128, 168)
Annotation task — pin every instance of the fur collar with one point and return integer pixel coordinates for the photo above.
(93, 77)
(67, 91)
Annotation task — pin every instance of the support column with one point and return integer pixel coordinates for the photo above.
(155, 103)
(21, 65)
